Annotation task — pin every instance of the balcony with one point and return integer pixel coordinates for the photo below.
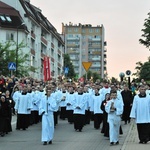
(74, 58)
(95, 53)
(52, 45)
(95, 65)
(43, 40)
(94, 45)
(94, 39)
(73, 51)
(59, 52)
(75, 64)
(52, 59)
(73, 38)
(32, 35)
(59, 65)
(73, 46)
(96, 59)
(32, 51)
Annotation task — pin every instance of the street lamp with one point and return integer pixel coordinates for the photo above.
(17, 48)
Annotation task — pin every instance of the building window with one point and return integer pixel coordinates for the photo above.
(59, 58)
(97, 30)
(76, 29)
(70, 35)
(83, 30)
(32, 44)
(52, 52)
(43, 49)
(69, 29)
(9, 36)
(32, 27)
(90, 30)
(32, 61)
(8, 19)
(2, 18)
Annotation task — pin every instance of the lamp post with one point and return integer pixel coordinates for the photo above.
(17, 48)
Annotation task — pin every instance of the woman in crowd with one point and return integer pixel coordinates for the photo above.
(5, 125)
(105, 128)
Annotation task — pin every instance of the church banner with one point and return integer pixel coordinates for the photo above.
(46, 68)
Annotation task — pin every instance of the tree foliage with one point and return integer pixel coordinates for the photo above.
(67, 63)
(114, 80)
(138, 69)
(8, 54)
(143, 70)
(145, 40)
(92, 75)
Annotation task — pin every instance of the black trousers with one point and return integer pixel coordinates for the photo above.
(98, 118)
(78, 121)
(87, 116)
(70, 116)
(143, 131)
(63, 113)
(22, 121)
(55, 118)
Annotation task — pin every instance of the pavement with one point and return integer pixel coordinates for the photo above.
(132, 141)
(66, 138)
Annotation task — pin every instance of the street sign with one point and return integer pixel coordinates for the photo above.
(86, 65)
(66, 70)
(12, 66)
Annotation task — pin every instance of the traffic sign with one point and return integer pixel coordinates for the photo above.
(66, 70)
(86, 65)
(12, 66)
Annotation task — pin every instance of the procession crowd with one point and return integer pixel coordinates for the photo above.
(106, 104)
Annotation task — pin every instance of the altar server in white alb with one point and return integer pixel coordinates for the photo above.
(62, 104)
(79, 109)
(23, 108)
(141, 113)
(70, 102)
(114, 108)
(98, 113)
(47, 106)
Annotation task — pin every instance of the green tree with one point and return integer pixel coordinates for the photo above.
(89, 75)
(8, 54)
(138, 69)
(145, 40)
(145, 71)
(94, 75)
(67, 63)
(114, 80)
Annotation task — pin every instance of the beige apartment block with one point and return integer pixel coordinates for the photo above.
(86, 43)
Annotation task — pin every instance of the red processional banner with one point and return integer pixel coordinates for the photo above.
(46, 68)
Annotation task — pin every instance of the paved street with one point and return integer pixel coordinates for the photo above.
(65, 138)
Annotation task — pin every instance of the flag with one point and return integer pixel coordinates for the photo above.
(46, 68)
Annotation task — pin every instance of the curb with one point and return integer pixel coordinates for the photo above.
(127, 137)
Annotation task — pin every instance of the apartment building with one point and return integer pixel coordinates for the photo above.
(39, 35)
(86, 43)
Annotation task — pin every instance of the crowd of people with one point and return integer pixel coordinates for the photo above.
(106, 104)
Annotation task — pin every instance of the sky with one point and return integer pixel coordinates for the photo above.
(122, 20)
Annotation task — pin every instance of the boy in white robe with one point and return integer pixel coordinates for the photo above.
(47, 106)
(114, 108)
